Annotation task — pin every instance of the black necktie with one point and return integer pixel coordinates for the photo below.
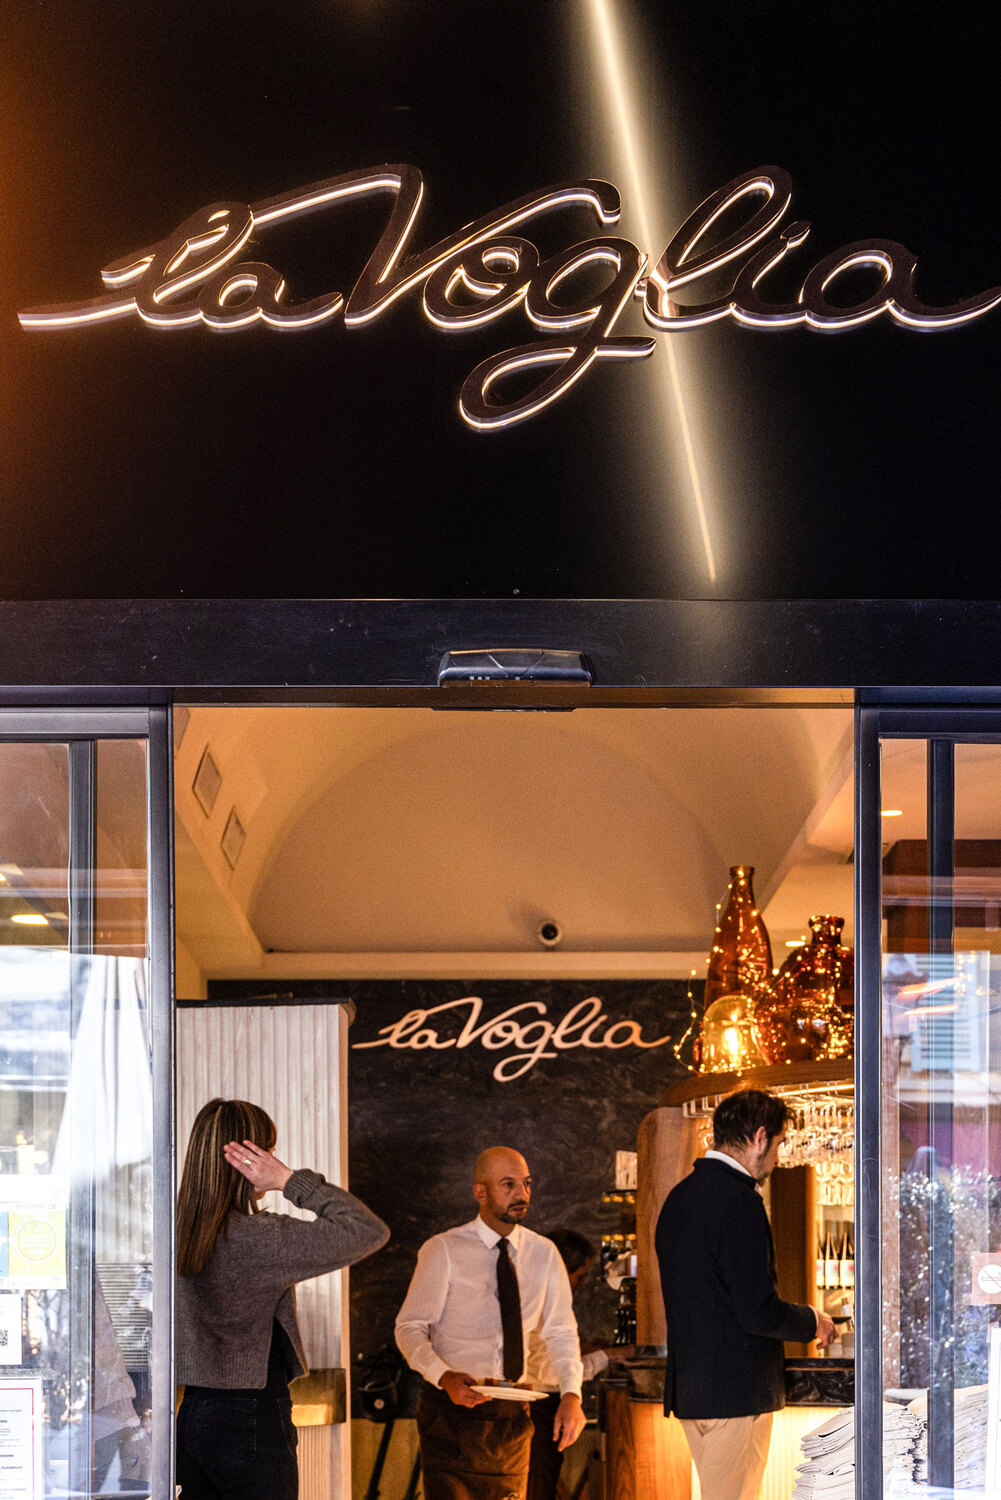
(510, 1311)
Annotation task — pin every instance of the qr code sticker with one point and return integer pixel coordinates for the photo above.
(4, 1337)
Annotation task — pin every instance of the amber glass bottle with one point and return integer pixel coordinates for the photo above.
(741, 959)
(739, 969)
(810, 1014)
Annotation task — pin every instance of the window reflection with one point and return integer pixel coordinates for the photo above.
(75, 1124)
(942, 1085)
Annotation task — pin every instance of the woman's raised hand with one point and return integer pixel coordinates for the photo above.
(262, 1170)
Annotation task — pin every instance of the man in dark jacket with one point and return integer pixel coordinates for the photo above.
(725, 1321)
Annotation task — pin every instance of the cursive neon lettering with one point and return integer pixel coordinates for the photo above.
(575, 1020)
(484, 271)
(527, 1041)
(692, 254)
(401, 1033)
(589, 1037)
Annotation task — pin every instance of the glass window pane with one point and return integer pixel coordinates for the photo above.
(75, 1121)
(120, 892)
(941, 1059)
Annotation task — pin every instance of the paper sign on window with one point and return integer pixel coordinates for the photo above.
(986, 1286)
(21, 1439)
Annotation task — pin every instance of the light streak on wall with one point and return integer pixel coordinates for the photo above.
(609, 50)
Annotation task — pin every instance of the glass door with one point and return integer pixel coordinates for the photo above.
(85, 1083)
(929, 1254)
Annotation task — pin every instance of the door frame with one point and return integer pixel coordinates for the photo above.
(879, 713)
(942, 726)
(79, 728)
(135, 651)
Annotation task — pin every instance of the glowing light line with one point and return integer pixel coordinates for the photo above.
(617, 91)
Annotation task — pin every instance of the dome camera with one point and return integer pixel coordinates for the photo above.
(550, 934)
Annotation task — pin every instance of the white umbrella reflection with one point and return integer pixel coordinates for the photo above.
(107, 1121)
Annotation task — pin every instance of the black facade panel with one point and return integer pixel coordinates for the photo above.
(139, 461)
(920, 651)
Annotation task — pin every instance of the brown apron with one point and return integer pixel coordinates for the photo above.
(547, 1460)
(473, 1452)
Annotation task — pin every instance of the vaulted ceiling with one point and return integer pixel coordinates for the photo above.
(405, 832)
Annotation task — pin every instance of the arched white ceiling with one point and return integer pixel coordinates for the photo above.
(407, 830)
(473, 833)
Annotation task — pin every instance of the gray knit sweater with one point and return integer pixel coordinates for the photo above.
(225, 1313)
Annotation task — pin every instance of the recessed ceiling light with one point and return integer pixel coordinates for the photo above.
(891, 812)
(795, 942)
(30, 919)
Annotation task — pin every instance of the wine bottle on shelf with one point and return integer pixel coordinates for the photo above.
(819, 1276)
(625, 1316)
(848, 1257)
(831, 1267)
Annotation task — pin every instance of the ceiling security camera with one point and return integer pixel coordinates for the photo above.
(550, 934)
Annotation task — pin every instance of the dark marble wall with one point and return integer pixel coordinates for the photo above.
(419, 1116)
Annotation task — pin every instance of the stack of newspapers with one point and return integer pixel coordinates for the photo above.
(969, 1442)
(829, 1451)
(828, 1469)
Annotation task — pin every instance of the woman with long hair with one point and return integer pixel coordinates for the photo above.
(238, 1343)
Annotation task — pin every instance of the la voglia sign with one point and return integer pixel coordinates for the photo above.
(484, 270)
(524, 1031)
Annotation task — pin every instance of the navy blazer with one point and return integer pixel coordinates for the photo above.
(725, 1319)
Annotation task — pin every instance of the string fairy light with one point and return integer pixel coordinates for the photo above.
(693, 1019)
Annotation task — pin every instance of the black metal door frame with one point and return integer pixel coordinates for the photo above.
(134, 651)
(79, 729)
(877, 715)
(943, 728)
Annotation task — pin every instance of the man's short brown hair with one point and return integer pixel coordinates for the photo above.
(738, 1118)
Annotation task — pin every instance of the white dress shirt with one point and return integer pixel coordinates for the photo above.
(731, 1161)
(540, 1367)
(450, 1318)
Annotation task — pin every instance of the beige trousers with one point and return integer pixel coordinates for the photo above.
(729, 1454)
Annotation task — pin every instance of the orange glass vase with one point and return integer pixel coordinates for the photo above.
(809, 1014)
(740, 967)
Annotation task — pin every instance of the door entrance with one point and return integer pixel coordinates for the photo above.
(518, 910)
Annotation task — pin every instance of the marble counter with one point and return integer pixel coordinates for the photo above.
(809, 1382)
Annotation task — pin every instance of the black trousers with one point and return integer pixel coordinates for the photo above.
(472, 1452)
(237, 1447)
(546, 1459)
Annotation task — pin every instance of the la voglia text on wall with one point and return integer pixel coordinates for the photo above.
(483, 271)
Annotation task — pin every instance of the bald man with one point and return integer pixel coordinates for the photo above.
(478, 1295)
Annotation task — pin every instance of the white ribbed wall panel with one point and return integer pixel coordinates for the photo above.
(291, 1060)
(321, 1452)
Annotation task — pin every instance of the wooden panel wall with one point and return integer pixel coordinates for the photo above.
(666, 1146)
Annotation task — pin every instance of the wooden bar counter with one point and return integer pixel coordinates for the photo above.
(646, 1455)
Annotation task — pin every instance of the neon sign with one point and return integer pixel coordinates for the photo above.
(477, 275)
(525, 1028)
